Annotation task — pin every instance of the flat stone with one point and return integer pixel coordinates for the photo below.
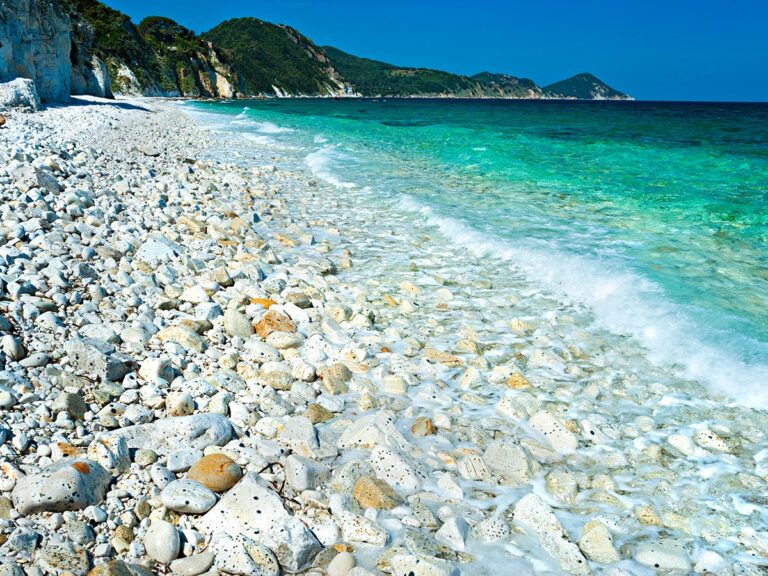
(491, 530)
(406, 565)
(158, 250)
(596, 543)
(558, 436)
(664, 555)
(341, 564)
(285, 340)
(119, 568)
(71, 404)
(216, 472)
(356, 528)
(182, 460)
(299, 435)
(304, 473)
(251, 508)
(370, 492)
(98, 359)
(193, 565)
(67, 484)
(453, 533)
(537, 517)
(396, 469)
(508, 461)
(187, 497)
(58, 559)
(473, 467)
(168, 434)
(317, 413)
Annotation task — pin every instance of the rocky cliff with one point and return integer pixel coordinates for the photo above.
(189, 65)
(42, 41)
(35, 44)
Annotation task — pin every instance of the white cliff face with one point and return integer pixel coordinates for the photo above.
(40, 42)
(35, 38)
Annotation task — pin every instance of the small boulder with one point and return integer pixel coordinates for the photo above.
(664, 555)
(335, 378)
(370, 492)
(67, 484)
(187, 497)
(162, 541)
(273, 322)
(165, 436)
(236, 324)
(216, 472)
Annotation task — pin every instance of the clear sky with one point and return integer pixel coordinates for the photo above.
(652, 49)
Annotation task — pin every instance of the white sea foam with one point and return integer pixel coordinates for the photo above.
(320, 162)
(271, 128)
(624, 303)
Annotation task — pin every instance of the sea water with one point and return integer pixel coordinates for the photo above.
(628, 238)
(654, 216)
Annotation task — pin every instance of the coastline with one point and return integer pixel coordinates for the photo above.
(418, 440)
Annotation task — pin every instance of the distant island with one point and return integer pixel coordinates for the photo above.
(100, 51)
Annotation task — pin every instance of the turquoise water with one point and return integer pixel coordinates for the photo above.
(655, 216)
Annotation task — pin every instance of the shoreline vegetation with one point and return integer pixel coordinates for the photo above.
(197, 380)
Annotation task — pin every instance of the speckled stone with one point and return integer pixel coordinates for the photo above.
(68, 484)
(371, 492)
(188, 497)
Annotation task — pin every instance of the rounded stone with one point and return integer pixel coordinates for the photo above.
(179, 404)
(162, 541)
(341, 564)
(216, 472)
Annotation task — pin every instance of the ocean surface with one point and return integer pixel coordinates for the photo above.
(652, 216)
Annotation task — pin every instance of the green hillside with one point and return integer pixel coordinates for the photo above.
(117, 41)
(374, 78)
(269, 56)
(509, 86)
(584, 87)
(186, 60)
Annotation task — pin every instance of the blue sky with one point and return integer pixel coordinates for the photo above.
(652, 49)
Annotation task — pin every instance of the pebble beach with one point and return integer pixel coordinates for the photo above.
(214, 365)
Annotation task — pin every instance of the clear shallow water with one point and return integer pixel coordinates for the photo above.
(652, 215)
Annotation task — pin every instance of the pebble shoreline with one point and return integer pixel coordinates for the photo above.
(196, 382)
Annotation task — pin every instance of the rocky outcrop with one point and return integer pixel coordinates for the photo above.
(19, 93)
(187, 64)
